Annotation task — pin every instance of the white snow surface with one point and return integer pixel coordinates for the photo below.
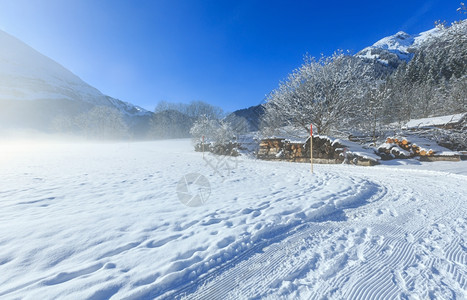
(26, 74)
(435, 121)
(100, 221)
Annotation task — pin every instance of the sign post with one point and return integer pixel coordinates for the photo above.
(311, 147)
(202, 145)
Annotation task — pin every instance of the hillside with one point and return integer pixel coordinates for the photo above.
(34, 90)
(251, 115)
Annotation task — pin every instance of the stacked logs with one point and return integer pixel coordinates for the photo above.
(270, 148)
(404, 144)
(295, 150)
(324, 151)
(280, 149)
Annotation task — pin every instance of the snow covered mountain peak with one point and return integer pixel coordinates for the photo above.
(400, 45)
(26, 74)
(398, 41)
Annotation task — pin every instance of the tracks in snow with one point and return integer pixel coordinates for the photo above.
(392, 247)
(257, 268)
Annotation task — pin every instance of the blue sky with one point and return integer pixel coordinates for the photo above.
(227, 53)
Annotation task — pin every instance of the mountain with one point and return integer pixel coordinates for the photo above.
(250, 116)
(394, 49)
(34, 90)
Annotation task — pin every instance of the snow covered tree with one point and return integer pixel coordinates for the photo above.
(431, 84)
(457, 95)
(214, 131)
(224, 132)
(203, 127)
(322, 92)
(371, 111)
(442, 56)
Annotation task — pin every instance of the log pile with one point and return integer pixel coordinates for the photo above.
(270, 149)
(413, 148)
(324, 151)
(323, 148)
(402, 148)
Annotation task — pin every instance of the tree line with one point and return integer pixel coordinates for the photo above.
(99, 122)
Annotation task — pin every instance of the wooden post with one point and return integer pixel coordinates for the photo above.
(311, 147)
(202, 145)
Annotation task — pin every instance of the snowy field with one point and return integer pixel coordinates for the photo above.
(100, 221)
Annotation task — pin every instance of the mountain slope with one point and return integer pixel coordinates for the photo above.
(251, 115)
(34, 89)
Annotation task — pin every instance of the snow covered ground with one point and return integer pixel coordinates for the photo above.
(99, 221)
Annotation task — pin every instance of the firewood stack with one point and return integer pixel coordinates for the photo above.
(280, 149)
(324, 152)
(270, 148)
(323, 148)
(393, 147)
